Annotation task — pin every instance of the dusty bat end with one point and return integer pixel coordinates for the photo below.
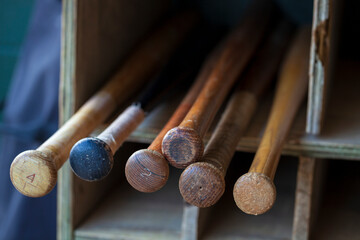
(91, 159)
(254, 193)
(201, 184)
(33, 173)
(147, 170)
(182, 146)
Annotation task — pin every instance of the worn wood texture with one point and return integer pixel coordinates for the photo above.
(254, 192)
(324, 41)
(189, 226)
(83, 71)
(308, 195)
(147, 170)
(136, 216)
(304, 190)
(184, 145)
(194, 222)
(203, 183)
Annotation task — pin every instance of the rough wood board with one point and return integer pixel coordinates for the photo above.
(107, 30)
(194, 221)
(304, 191)
(318, 64)
(189, 226)
(325, 34)
(129, 214)
(309, 188)
(66, 109)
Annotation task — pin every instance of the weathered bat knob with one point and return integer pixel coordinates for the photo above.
(147, 170)
(201, 184)
(91, 159)
(33, 173)
(254, 193)
(182, 146)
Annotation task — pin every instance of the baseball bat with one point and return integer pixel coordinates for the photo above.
(147, 169)
(203, 183)
(183, 145)
(92, 158)
(255, 192)
(34, 172)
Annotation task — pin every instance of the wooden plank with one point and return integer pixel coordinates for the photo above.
(106, 32)
(129, 214)
(194, 221)
(309, 184)
(304, 185)
(66, 109)
(318, 65)
(324, 42)
(189, 226)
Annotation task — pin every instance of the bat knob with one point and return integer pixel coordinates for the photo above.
(91, 159)
(33, 173)
(147, 170)
(254, 193)
(201, 184)
(182, 146)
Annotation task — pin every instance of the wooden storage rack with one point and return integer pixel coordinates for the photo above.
(96, 37)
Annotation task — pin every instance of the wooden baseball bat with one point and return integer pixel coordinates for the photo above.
(183, 145)
(147, 169)
(254, 192)
(34, 172)
(91, 158)
(203, 183)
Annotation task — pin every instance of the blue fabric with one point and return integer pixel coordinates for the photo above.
(30, 117)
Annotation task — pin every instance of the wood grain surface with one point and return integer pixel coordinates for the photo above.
(254, 192)
(183, 145)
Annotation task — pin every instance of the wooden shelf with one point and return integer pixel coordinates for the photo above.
(340, 138)
(128, 214)
(110, 209)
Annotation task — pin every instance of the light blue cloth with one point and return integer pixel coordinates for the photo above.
(30, 117)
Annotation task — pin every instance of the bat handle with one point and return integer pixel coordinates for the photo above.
(122, 127)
